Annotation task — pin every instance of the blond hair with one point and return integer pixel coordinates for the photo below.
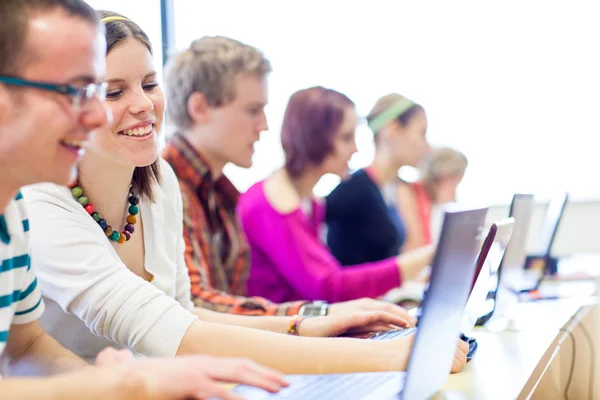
(389, 108)
(444, 161)
(209, 66)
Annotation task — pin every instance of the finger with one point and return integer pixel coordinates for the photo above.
(463, 346)
(110, 355)
(400, 312)
(377, 328)
(382, 317)
(460, 359)
(218, 392)
(249, 373)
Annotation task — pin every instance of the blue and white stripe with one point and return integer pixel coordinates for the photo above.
(20, 295)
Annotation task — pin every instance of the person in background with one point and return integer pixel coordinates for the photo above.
(217, 91)
(282, 219)
(51, 65)
(128, 286)
(441, 173)
(363, 222)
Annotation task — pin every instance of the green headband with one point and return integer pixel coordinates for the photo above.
(390, 113)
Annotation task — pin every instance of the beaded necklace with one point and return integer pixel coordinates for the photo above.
(112, 234)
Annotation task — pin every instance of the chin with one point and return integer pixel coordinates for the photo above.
(244, 163)
(146, 160)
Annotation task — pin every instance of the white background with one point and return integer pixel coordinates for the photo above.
(514, 85)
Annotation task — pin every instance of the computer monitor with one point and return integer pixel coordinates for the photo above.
(554, 214)
(521, 210)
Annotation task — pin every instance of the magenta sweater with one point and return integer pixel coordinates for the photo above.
(290, 262)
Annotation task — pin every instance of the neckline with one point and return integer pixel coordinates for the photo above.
(147, 232)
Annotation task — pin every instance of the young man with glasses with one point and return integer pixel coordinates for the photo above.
(52, 58)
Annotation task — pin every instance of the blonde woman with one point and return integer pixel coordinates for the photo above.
(441, 173)
(364, 224)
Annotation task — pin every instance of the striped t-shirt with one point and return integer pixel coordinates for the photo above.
(20, 296)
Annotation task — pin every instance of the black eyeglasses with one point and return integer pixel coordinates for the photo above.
(80, 95)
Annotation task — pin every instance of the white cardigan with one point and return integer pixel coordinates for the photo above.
(92, 299)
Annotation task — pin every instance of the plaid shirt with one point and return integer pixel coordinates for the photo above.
(216, 251)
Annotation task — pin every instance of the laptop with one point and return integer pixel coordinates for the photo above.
(483, 300)
(523, 274)
(435, 340)
(482, 297)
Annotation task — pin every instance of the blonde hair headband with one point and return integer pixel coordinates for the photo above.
(113, 18)
(392, 112)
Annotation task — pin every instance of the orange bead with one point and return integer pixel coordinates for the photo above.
(122, 239)
(108, 231)
(131, 219)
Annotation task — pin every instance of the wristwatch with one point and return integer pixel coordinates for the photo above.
(314, 309)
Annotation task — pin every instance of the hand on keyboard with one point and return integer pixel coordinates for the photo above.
(335, 325)
(406, 336)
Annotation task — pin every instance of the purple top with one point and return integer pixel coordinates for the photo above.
(289, 262)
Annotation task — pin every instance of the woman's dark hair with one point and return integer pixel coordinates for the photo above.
(116, 32)
(311, 119)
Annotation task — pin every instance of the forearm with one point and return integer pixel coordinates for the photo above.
(90, 382)
(44, 356)
(290, 354)
(412, 263)
(273, 324)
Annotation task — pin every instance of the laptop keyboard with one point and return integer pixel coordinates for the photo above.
(333, 386)
(393, 334)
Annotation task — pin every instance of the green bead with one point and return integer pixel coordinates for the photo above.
(77, 191)
(83, 201)
(133, 210)
(115, 236)
(97, 217)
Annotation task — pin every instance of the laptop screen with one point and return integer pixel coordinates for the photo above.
(482, 301)
(554, 214)
(521, 209)
(444, 301)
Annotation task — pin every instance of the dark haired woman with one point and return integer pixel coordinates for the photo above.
(282, 220)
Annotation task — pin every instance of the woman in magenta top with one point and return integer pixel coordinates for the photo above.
(282, 219)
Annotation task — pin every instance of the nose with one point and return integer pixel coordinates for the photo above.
(140, 102)
(262, 122)
(96, 115)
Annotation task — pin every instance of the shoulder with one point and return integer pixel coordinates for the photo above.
(252, 200)
(357, 191)
(169, 182)
(271, 198)
(407, 199)
(51, 194)
(406, 189)
(281, 194)
(166, 191)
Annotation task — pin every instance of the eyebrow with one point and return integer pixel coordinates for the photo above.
(83, 79)
(120, 80)
(257, 104)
